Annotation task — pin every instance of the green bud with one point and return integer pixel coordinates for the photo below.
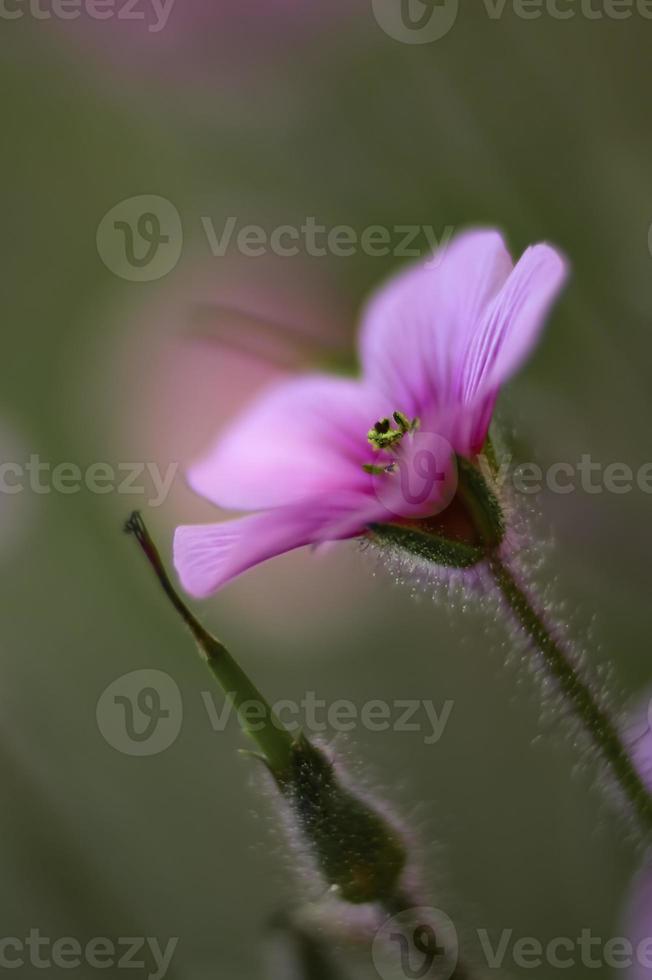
(358, 852)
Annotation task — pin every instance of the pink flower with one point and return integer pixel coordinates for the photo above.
(320, 458)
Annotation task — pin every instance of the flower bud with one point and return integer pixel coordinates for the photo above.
(357, 851)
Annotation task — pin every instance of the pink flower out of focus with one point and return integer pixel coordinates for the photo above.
(321, 458)
(185, 41)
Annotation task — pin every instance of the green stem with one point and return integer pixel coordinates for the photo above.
(359, 852)
(593, 716)
(274, 741)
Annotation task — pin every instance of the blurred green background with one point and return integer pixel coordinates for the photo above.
(541, 127)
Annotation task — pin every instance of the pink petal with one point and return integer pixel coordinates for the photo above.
(637, 736)
(301, 438)
(207, 556)
(417, 329)
(512, 324)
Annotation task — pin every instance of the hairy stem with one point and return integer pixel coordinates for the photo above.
(594, 718)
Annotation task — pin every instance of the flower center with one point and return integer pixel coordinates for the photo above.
(387, 438)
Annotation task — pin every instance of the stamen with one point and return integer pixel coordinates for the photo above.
(383, 436)
(386, 439)
(402, 422)
(377, 470)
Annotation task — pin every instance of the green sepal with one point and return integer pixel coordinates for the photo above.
(483, 510)
(481, 503)
(428, 546)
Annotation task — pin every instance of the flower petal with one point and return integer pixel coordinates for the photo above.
(207, 556)
(512, 324)
(417, 329)
(304, 437)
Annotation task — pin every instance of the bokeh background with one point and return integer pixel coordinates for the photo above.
(271, 113)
